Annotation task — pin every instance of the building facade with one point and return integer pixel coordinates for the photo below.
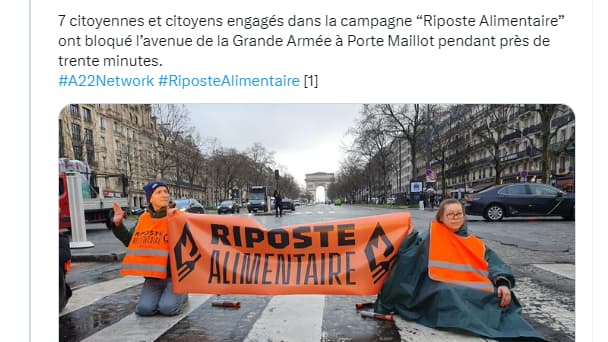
(120, 142)
(468, 147)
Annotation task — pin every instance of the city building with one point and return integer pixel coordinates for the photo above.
(122, 143)
(470, 148)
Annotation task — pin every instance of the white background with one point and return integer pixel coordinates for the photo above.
(563, 73)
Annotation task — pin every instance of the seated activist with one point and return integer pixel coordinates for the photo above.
(447, 278)
(149, 257)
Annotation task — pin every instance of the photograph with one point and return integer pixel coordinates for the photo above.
(317, 222)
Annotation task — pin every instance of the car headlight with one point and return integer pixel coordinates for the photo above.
(263, 202)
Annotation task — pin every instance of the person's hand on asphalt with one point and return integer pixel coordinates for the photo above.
(119, 214)
(505, 296)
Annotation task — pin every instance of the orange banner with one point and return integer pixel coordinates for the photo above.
(234, 255)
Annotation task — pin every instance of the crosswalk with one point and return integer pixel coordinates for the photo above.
(104, 311)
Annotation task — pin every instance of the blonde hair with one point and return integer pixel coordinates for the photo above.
(442, 206)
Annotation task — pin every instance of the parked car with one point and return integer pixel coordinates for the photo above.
(287, 203)
(135, 211)
(190, 205)
(521, 199)
(228, 206)
(391, 200)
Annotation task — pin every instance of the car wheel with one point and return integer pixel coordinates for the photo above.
(494, 212)
(219, 212)
(569, 217)
(238, 211)
(249, 210)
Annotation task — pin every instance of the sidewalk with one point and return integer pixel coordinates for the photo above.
(107, 247)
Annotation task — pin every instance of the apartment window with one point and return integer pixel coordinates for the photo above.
(571, 163)
(86, 114)
(562, 164)
(75, 132)
(88, 136)
(572, 132)
(102, 123)
(74, 110)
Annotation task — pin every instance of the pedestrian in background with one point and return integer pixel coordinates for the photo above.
(446, 278)
(148, 253)
(278, 203)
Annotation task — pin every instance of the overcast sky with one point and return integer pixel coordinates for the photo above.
(306, 138)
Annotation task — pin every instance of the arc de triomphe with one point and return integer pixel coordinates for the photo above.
(315, 180)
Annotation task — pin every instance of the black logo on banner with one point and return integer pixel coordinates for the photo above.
(185, 243)
(378, 253)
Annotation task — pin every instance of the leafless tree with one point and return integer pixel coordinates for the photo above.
(173, 124)
(445, 133)
(491, 125)
(261, 159)
(552, 118)
(373, 145)
(404, 122)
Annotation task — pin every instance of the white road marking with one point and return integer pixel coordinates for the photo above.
(290, 318)
(411, 331)
(137, 328)
(545, 306)
(564, 270)
(87, 295)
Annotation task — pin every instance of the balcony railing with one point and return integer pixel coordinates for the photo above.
(529, 152)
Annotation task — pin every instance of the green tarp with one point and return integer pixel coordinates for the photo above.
(410, 292)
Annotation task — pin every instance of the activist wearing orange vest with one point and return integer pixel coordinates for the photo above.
(148, 253)
(460, 259)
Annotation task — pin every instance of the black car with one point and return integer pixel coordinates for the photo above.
(190, 205)
(286, 204)
(228, 207)
(521, 199)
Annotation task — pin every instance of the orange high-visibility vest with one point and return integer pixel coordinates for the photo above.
(148, 251)
(457, 259)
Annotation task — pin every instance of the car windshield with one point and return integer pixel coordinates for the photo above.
(256, 196)
(226, 203)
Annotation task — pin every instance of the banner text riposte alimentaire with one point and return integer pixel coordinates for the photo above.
(235, 255)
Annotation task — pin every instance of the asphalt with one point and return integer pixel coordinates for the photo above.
(106, 247)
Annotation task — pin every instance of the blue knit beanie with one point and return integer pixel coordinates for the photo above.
(151, 186)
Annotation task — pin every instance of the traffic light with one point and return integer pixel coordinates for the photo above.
(276, 174)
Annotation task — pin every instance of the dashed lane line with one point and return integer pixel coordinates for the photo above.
(87, 295)
(414, 332)
(290, 318)
(564, 270)
(546, 307)
(138, 328)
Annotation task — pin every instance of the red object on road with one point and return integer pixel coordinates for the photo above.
(376, 315)
(226, 304)
(363, 305)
